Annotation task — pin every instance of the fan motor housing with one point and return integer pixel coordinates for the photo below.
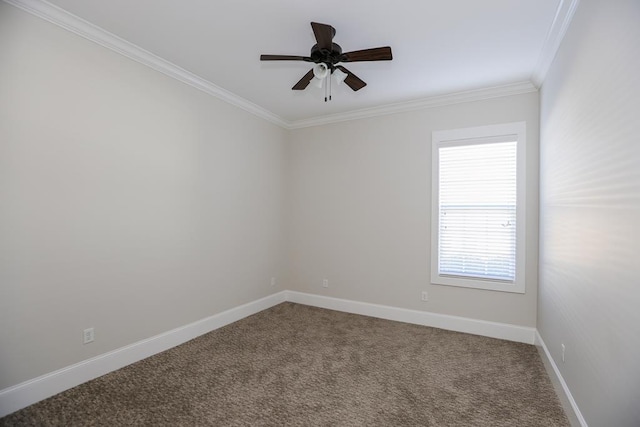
(331, 57)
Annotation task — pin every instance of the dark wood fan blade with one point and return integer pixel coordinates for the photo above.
(324, 35)
(304, 81)
(352, 80)
(374, 54)
(284, 58)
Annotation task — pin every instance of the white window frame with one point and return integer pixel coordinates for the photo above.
(478, 135)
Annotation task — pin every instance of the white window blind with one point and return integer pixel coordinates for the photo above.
(477, 210)
(478, 234)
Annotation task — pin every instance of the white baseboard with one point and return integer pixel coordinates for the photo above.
(32, 391)
(443, 321)
(556, 378)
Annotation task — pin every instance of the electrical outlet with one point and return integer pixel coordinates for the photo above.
(325, 283)
(273, 281)
(563, 350)
(424, 296)
(88, 336)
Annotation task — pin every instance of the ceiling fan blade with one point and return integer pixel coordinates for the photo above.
(324, 35)
(352, 80)
(304, 81)
(374, 54)
(284, 58)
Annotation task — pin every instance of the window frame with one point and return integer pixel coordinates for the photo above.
(472, 136)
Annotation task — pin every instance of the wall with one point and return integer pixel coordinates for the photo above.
(590, 206)
(360, 213)
(129, 202)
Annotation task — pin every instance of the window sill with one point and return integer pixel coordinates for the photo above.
(489, 285)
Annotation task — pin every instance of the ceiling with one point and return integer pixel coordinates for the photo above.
(439, 47)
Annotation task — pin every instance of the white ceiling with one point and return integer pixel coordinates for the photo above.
(439, 47)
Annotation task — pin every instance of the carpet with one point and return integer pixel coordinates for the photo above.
(295, 365)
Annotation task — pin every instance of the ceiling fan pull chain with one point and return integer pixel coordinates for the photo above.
(325, 89)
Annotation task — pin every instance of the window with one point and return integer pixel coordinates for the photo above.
(478, 224)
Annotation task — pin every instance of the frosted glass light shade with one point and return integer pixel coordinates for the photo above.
(320, 71)
(339, 76)
(317, 82)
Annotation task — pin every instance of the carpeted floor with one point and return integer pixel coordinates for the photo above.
(299, 365)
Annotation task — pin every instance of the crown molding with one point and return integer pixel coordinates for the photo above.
(419, 104)
(559, 26)
(89, 31)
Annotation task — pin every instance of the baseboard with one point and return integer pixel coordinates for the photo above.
(32, 391)
(568, 402)
(443, 321)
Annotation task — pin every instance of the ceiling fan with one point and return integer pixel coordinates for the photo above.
(327, 55)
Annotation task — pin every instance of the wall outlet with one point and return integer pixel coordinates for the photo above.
(424, 296)
(325, 283)
(88, 336)
(273, 281)
(563, 350)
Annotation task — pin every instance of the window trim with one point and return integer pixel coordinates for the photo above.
(478, 135)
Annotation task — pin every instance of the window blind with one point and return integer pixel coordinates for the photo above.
(477, 210)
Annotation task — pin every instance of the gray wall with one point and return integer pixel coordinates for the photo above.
(134, 204)
(361, 210)
(590, 211)
(129, 202)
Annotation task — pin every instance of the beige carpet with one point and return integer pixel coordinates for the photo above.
(297, 365)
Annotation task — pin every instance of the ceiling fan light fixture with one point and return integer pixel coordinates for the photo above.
(339, 76)
(320, 71)
(317, 82)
